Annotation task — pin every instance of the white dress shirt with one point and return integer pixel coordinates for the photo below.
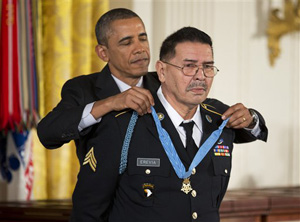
(177, 120)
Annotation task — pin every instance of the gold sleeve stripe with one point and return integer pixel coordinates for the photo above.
(92, 165)
(119, 114)
(90, 159)
(91, 155)
(86, 162)
(91, 151)
(94, 159)
(205, 106)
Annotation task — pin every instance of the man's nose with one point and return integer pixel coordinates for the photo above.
(200, 74)
(139, 48)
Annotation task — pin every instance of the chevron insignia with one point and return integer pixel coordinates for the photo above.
(90, 159)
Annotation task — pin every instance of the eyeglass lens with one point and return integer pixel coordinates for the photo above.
(210, 71)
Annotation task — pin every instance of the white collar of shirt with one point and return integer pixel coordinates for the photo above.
(123, 86)
(177, 120)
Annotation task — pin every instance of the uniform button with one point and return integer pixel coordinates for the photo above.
(194, 171)
(194, 193)
(194, 215)
(147, 171)
(226, 171)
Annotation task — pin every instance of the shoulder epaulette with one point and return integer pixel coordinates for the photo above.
(207, 107)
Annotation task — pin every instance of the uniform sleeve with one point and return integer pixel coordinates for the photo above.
(242, 135)
(98, 176)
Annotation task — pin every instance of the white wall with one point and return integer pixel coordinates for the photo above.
(237, 28)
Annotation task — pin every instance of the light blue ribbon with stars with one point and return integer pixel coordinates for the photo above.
(169, 147)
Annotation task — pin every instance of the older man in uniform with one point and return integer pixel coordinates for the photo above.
(174, 164)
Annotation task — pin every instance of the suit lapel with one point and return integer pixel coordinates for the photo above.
(151, 82)
(209, 124)
(105, 84)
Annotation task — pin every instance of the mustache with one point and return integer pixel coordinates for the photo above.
(197, 84)
(144, 57)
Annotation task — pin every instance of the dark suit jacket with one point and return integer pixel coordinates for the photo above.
(61, 124)
(104, 195)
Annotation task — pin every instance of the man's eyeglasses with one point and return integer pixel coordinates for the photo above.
(208, 70)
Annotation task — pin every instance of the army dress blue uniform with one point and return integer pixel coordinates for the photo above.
(149, 190)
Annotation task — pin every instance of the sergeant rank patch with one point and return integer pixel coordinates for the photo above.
(90, 159)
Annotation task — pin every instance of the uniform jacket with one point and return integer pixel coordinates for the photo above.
(61, 124)
(149, 190)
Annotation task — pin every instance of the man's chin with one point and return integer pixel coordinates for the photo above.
(199, 98)
(141, 71)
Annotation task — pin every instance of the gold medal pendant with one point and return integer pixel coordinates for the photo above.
(186, 186)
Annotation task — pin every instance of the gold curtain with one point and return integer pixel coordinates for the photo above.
(65, 43)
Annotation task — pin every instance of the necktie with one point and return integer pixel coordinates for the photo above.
(191, 147)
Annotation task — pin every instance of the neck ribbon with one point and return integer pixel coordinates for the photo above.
(169, 147)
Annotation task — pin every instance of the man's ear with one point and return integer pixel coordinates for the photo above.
(160, 70)
(101, 51)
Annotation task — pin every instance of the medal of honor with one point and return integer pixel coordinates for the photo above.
(171, 151)
(186, 186)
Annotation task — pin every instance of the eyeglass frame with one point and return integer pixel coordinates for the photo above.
(195, 72)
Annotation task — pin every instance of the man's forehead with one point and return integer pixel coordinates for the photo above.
(192, 45)
(127, 26)
(191, 50)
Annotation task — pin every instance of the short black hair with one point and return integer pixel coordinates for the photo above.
(103, 25)
(185, 34)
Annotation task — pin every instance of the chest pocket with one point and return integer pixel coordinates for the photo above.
(148, 185)
(222, 166)
(222, 169)
(147, 178)
(221, 162)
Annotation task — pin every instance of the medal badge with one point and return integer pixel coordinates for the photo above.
(186, 186)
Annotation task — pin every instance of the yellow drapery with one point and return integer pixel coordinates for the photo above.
(65, 43)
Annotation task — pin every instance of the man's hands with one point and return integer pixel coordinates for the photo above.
(136, 98)
(240, 116)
